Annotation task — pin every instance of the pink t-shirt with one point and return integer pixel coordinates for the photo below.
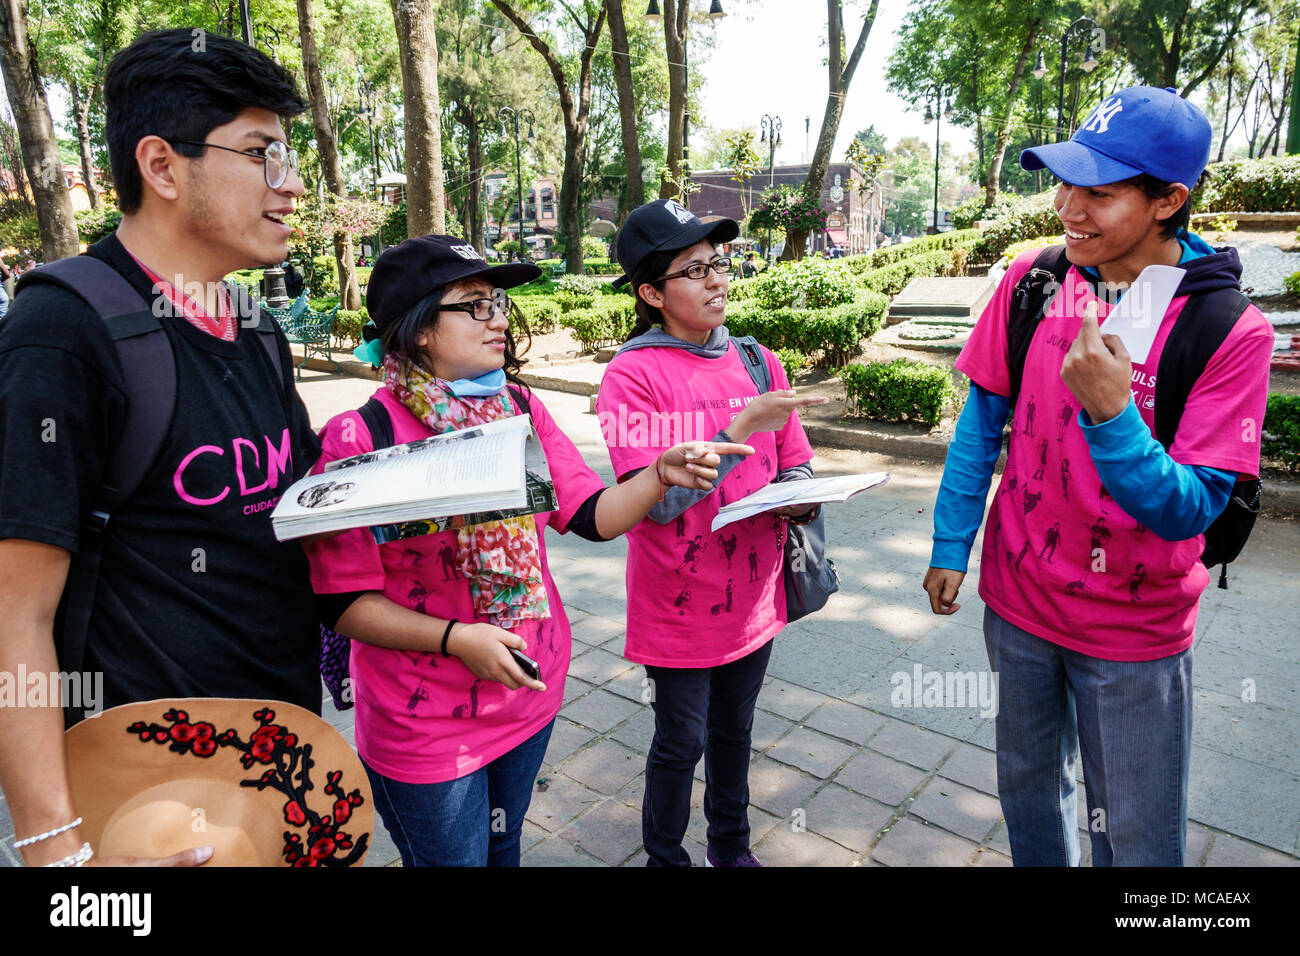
(695, 597)
(420, 717)
(1061, 559)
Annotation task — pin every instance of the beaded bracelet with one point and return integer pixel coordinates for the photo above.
(47, 834)
(80, 858)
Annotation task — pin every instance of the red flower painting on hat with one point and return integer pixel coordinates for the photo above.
(289, 771)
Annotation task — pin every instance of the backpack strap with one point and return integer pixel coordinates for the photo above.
(1203, 325)
(1029, 301)
(378, 421)
(751, 355)
(251, 315)
(520, 395)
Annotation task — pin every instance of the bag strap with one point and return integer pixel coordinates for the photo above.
(1029, 301)
(751, 355)
(378, 421)
(1204, 324)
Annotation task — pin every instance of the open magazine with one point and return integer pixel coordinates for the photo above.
(801, 491)
(482, 473)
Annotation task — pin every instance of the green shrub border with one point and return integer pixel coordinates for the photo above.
(900, 390)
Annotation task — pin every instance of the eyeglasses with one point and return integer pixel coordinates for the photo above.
(277, 158)
(698, 270)
(480, 310)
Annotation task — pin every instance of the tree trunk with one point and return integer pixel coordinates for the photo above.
(675, 15)
(841, 75)
(634, 193)
(1227, 109)
(13, 158)
(80, 114)
(575, 124)
(474, 200)
(327, 150)
(1004, 131)
(417, 47)
(31, 112)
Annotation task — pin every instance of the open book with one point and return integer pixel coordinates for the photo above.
(477, 474)
(802, 491)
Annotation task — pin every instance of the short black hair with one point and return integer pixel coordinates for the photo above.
(647, 270)
(402, 336)
(1154, 188)
(183, 84)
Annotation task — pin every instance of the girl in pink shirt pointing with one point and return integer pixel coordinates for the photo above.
(446, 627)
(703, 606)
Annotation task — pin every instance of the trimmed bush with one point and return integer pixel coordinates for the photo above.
(94, 224)
(1282, 430)
(791, 361)
(1016, 248)
(1292, 283)
(324, 277)
(609, 323)
(891, 254)
(835, 334)
(571, 301)
(541, 312)
(1271, 184)
(584, 285)
(1026, 218)
(347, 326)
(898, 391)
(808, 283)
(893, 279)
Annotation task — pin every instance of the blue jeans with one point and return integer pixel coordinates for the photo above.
(474, 820)
(709, 712)
(1132, 722)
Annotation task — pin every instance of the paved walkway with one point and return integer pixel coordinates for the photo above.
(840, 776)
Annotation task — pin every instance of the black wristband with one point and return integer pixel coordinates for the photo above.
(446, 634)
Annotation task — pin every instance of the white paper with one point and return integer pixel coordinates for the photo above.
(803, 491)
(1137, 315)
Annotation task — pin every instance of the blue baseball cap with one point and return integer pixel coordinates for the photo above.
(1143, 129)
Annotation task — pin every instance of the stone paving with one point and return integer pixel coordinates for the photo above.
(840, 776)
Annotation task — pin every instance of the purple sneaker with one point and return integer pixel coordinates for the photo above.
(745, 859)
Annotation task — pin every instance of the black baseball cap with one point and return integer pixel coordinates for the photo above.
(663, 225)
(407, 272)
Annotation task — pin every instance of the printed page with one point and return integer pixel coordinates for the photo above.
(804, 491)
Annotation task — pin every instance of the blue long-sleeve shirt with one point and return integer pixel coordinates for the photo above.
(1175, 501)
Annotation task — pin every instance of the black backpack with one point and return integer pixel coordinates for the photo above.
(149, 374)
(1182, 361)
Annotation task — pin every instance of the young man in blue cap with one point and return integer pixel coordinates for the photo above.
(1091, 568)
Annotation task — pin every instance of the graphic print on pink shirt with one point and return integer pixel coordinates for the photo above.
(696, 597)
(1061, 559)
(421, 717)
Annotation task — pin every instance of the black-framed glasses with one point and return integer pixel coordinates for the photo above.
(698, 270)
(480, 310)
(277, 158)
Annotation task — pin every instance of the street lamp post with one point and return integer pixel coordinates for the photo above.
(1096, 44)
(654, 16)
(366, 96)
(771, 134)
(938, 125)
(505, 114)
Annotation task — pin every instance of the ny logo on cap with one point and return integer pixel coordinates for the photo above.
(467, 252)
(1101, 116)
(682, 214)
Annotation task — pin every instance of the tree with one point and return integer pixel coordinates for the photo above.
(589, 25)
(627, 113)
(840, 76)
(1032, 29)
(31, 111)
(743, 161)
(417, 46)
(327, 150)
(873, 142)
(1175, 42)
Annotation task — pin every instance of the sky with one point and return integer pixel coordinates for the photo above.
(769, 59)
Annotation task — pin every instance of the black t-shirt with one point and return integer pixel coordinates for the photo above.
(195, 597)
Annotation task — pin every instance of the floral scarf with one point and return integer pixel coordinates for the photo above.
(501, 559)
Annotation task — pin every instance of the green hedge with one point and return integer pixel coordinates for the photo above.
(898, 391)
(347, 326)
(1282, 430)
(835, 334)
(1271, 184)
(893, 279)
(1026, 218)
(598, 265)
(606, 323)
(808, 283)
(1292, 283)
(325, 276)
(792, 361)
(542, 313)
(891, 254)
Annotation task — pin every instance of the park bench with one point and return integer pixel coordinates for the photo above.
(304, 326)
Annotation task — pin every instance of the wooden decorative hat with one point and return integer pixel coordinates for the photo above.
(265, 783)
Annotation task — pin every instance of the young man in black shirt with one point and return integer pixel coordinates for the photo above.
(193, 595)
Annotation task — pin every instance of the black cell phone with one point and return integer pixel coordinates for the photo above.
(526, 663)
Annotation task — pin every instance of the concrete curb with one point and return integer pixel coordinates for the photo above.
(1281, 496)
